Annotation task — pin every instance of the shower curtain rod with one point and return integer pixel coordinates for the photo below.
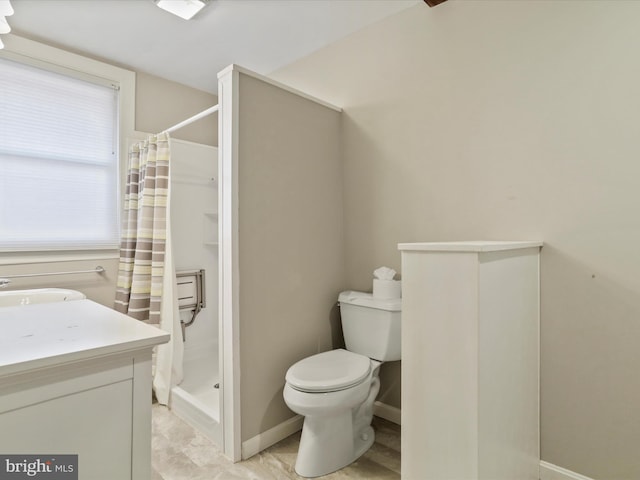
(190, 120)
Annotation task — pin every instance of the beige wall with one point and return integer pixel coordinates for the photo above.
(97, 287)
(509, 120)
(162, 103)
(290, 242)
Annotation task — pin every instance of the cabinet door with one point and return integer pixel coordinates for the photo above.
(95, 424)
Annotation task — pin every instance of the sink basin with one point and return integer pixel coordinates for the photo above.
(38, 295)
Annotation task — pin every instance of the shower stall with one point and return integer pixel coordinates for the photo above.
(194, 217)
(279, 157)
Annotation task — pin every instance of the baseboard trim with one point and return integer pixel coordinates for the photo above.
(387, 412)
(264, 440)
(283, 430)
(548, 471)
(270, 437)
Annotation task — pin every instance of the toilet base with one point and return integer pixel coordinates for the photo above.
(364, 442)
(327, 444)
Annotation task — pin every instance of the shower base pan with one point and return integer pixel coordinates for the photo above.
(196, 400)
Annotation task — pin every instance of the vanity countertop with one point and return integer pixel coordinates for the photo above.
(49, 334)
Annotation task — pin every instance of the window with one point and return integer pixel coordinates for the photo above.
(58, 160)
(55, 198)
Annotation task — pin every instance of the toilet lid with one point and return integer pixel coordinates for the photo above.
(329, 371)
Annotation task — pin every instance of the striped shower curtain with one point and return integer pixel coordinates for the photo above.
(144, 233)
(146, 288)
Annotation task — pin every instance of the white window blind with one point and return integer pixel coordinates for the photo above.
(58, 160)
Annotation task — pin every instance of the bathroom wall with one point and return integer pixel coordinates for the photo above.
(509, 120)
(162, 103)
(100, 288)
(159, 104)
(291, 249)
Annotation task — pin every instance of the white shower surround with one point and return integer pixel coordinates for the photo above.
(194, 231)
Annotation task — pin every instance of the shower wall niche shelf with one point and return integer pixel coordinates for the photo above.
(193, 180)
(210, 229)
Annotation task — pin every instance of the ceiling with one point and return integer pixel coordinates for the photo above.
(261, 35)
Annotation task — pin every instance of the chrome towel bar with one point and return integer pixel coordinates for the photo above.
(6, 280)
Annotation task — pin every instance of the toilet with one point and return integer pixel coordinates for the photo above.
(335, 390)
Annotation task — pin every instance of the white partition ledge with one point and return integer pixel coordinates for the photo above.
(468, 246)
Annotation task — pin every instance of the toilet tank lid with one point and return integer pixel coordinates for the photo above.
(363, 299)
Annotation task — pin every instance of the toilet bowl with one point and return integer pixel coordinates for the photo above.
(335, 390)
(337, 424)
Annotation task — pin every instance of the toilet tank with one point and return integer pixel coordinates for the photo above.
(371, 326)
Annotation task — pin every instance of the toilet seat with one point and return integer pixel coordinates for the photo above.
(329, 371)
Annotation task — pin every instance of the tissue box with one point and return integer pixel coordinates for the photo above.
(386, 289)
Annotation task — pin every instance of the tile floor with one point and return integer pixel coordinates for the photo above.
(181, 453)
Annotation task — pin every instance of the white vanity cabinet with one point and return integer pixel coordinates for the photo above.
(75, 378)
(470, 360)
